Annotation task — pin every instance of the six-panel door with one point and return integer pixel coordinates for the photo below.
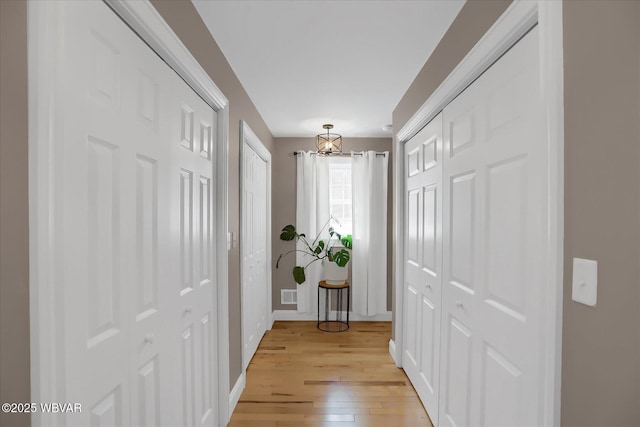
(254, 252)
(494, 234)
(423, 278)
(136, 206)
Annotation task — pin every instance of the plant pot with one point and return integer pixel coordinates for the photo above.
(334, 274)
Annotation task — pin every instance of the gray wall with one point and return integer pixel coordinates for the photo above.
(14, 211)
(600, 375)
(601, 345)
(284, 204)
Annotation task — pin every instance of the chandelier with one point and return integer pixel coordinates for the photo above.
(328, 143)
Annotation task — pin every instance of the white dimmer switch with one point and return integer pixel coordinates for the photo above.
(585, 281)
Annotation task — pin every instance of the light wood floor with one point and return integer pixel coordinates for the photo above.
(303, 377)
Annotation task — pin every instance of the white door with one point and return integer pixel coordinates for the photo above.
(191, 240)
(423, 278)
(493, 239)
(136, 212)
(254, 251)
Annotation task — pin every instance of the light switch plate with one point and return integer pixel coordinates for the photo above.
(585, 281)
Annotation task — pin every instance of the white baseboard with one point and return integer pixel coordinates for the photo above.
(272, 318)
(394, 354)
(293, 315)
(234, 395)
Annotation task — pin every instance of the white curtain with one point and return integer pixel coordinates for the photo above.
(369, 258)
(312, 212)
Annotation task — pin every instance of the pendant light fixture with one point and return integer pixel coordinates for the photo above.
(328, 143)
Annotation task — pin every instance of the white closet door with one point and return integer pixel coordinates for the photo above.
(254, 251)
(423, 278)
(192, 267)
(493, 239)
(96, 250)
(137, 220)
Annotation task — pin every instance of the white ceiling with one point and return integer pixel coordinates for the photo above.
(305, 63)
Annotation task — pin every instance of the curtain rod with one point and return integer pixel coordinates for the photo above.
(295, 153)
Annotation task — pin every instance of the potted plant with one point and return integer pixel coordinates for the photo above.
(333, 259)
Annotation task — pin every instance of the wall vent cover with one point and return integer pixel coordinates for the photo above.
(288, 296)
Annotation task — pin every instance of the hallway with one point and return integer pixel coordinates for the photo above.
(303, 377)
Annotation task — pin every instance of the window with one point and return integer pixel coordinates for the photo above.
(340, 204)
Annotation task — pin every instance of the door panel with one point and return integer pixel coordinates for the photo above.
(107, 411)
(149, 394)
(413, 337)
(461, 230)
(194, 299)
(98, 295)
(413, 224)
(506, 214)
(458, 374)
(206, 404)
(137, 232)
(429, 358)
(146, 236)
(502, 387)
(204, 237)
(186, 231)
(102, 216)
(494, 238)
(429, 248)
(423, 234)
(187, 372)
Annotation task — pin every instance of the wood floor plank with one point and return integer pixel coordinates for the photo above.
(304, 377)
(348, 404)
(356, 383)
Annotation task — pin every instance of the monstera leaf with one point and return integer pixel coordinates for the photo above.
(347, 241)
(341, 257)
(298, 275)
(288, 233)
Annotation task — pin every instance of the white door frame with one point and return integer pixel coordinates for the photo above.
(507, 30)
(248, 139)
(45, 31)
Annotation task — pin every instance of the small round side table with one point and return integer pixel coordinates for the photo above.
(337, 325)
